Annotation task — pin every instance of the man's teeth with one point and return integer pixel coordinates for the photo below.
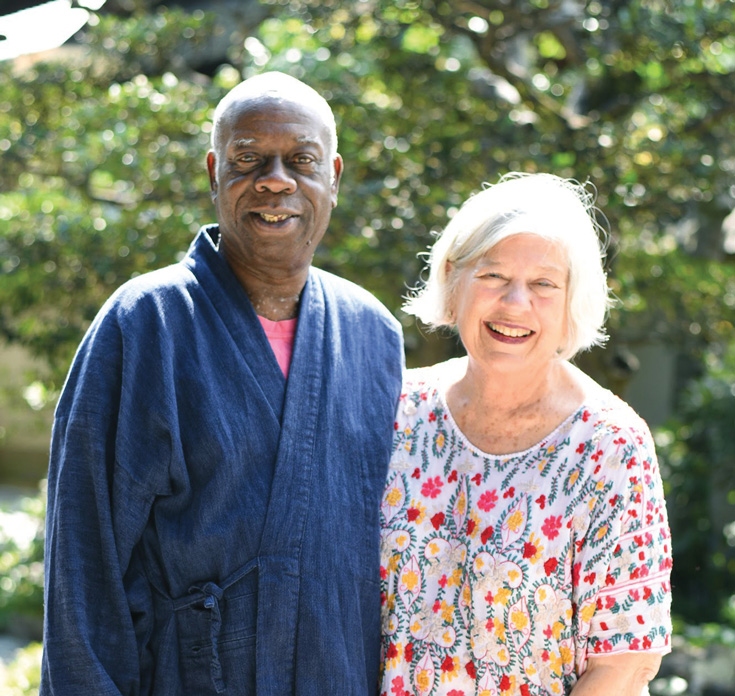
(509, 332)
(274, 218)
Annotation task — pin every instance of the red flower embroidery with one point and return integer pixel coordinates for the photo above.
(477, 478)
(486, 534)
(550, 566)
(551, 526)
(432, 417)
(397, 687)
(509, 493)
(541, 500)
(412, 514)
(408, 652)
(448, 664)
(437, 520)
(470, 669)
(470, 526)
(432, 488)
(529, 550)
(488, 500)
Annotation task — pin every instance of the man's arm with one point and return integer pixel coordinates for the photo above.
(626, 674)
(95, 516)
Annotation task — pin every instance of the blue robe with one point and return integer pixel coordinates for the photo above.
(213, 528)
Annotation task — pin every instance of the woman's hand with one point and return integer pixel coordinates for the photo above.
(626, 674)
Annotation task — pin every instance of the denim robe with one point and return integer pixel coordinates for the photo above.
(213, 528)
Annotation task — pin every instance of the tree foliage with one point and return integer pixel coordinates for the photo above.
(103, 149)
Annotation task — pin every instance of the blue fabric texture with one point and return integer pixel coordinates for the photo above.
(213, 528)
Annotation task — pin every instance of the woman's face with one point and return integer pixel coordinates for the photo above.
(511, 305)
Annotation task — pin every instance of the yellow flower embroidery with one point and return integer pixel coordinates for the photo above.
(502, 596)
(393, 497)
(519, 619)
(587, 612)
(515, 521)
(410, 579)
(567, 657)
(455, 579)
(602, 532)
(447, 612)
(422, 680)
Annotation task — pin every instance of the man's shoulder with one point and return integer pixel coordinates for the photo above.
(152, 288)
(350, 296)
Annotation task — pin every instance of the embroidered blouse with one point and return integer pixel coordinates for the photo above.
(502, 574)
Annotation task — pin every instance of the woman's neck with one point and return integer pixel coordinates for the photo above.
(502, 412)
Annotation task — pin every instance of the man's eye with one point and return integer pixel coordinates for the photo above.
(303, 159)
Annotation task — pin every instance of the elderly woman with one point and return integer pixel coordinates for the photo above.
(525, 543)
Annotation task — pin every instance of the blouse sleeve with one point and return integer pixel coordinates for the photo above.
(626, 560)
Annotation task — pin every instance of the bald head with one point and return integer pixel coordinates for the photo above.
(280, 87)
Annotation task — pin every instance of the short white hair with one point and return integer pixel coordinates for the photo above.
(278, 85)
(556, 209)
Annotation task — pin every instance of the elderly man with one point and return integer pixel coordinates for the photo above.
(221, 444)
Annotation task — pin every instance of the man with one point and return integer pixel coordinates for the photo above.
(213, 526)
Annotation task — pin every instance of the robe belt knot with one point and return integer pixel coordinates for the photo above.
(212, 596)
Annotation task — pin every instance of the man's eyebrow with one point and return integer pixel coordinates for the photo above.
(301, 140)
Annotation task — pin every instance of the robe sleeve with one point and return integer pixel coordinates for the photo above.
(97, 510)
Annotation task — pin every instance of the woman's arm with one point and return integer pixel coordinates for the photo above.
(626, 674)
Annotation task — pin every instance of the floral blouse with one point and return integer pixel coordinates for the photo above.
(502, 574)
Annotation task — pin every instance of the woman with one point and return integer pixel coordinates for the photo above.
(525, 543)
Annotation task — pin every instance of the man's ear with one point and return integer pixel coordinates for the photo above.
(337, 164)
(211, 165)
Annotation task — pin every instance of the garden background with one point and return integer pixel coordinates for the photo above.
(103, 177)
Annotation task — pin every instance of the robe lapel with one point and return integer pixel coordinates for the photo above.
(278, 561)
(236, 311)
(290, 492)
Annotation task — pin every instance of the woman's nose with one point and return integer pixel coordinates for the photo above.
(516, 293)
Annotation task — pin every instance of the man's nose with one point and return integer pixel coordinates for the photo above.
(275, 177)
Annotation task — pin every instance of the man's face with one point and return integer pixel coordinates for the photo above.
(273, 184)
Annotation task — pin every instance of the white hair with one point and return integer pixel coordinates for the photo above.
(556, 209)
(277, 85)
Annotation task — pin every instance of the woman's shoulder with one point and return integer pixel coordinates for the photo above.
(432, 378)
(606, 413)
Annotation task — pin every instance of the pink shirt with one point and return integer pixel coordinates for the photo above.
(281, 336)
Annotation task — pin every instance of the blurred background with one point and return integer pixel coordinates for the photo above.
(104, 127)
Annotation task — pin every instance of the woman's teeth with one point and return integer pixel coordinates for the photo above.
(509, 332)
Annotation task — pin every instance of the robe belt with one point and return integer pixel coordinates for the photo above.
(212, 593)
